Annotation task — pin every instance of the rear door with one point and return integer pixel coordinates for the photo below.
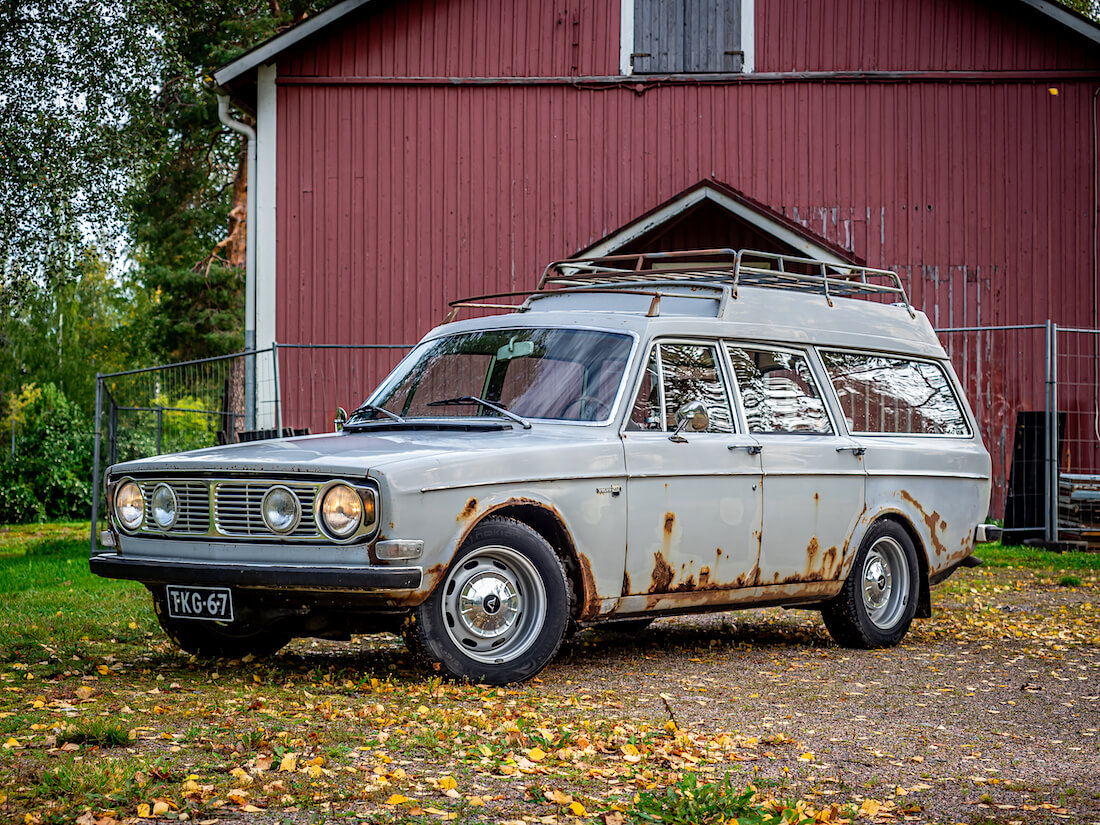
(813, 477)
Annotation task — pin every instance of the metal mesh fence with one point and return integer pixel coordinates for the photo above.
(1003, 373)
(315, 379)
(1013, 376)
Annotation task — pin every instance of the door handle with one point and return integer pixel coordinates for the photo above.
(855, 450)
(753, 449)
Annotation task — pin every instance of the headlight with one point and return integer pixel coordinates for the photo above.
(341, 511)
(281, 510)
(129, 506)
(163, 507)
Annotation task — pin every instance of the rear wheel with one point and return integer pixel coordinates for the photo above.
(215, 640)
(879, 597)
(500, 613)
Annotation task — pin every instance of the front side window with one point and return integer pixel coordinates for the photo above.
(890, 395)
(682, 377)
(778, 391)
(569, 375)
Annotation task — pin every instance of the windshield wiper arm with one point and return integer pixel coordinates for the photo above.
(376, 408)
(473, 400)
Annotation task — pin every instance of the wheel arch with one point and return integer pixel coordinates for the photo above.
(924, 593)
(545, 520)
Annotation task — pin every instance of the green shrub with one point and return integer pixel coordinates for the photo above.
(50, 475)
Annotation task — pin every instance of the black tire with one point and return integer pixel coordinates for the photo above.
(211, 640)
(879, 597)
(501, 611)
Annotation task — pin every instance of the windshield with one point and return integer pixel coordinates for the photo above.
(564, 374)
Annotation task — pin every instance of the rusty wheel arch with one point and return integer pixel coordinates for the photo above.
(546, 521)
(924, 598)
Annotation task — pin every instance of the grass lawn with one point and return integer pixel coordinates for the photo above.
(102, 721)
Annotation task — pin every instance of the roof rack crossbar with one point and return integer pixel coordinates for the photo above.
(718, 268)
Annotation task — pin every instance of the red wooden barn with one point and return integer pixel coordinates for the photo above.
(412, 152)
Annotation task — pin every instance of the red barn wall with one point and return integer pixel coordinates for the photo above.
(398, 194)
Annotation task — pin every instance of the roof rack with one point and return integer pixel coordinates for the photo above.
(648, 271)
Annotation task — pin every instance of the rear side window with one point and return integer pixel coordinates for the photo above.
(778, 391)
(890, 395)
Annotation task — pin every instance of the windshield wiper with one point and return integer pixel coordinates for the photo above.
(473, 400)
(377, 409)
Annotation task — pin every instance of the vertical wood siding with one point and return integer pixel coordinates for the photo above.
(395, 199)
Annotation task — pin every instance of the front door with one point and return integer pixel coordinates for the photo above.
(693, 491)
(814, 478)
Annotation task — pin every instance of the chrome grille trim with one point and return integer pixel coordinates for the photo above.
(230, 509)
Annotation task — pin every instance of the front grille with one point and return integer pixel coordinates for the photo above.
(237, 508)
(231, 509)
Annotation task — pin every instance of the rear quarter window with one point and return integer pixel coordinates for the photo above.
(897, 396)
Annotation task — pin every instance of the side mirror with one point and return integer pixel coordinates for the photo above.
(338, 421)
(694, 415)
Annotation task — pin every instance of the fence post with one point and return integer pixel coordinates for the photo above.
(95, 460)
(1051, 447)
(278, 403)
(160, 427)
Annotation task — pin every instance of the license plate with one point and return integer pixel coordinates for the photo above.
(214, 604)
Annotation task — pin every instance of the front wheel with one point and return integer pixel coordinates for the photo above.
(500, 613)
(879, 597)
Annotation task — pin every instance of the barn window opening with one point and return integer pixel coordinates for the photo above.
(690, 36)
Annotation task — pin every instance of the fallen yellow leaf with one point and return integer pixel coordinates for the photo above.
(536, 754)
(577, 809)
(869, 808)
(160, 807)
(288, 763)
(143, 811)
(103, 670)
(559, 798)
(397, 799)
(808, 756)
(447, 783)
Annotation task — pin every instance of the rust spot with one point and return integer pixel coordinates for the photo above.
(808, 577)
(670, 521)
(590, 599)
(931, 519)
(811, 550)
(718, 553)
(686, 586)
(704, 575)
(662, 575)
(828, 561)
(626, 583)
(817, 498)
(468, 510)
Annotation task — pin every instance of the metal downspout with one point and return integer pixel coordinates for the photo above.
(250, 262)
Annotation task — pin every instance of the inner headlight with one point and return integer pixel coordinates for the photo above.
(163, 506)
(341, 511)
(129, 506)
(281, 510)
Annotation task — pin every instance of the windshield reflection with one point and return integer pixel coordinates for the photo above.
(559, 374)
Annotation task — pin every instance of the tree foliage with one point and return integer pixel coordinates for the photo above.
(188, 216)
(69, 147)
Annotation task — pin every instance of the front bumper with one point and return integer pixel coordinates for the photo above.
(271, 576)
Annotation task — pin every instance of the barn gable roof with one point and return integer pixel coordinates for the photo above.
(270, 49)
(782, 229)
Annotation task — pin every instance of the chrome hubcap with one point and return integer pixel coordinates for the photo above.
(885, 583)
(494, 604)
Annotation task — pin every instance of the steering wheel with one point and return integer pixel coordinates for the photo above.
(581, 401)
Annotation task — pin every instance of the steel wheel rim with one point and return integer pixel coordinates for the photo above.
(494, 604)
(885, 583)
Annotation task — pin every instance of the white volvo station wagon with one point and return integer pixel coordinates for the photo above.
(641, 436)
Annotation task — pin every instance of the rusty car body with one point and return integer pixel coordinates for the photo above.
(640, 436)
